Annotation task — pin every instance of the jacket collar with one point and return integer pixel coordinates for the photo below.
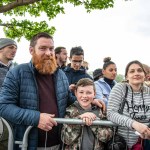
(68, 69)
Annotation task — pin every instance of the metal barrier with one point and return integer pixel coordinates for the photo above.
(24, 143)
(10, 131)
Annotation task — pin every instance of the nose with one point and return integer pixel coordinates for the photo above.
(48, 52)
(77, 63)
(14, 51)
(84, 95)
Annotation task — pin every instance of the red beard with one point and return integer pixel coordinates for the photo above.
(44, 64)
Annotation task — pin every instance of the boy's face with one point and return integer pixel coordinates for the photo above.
(85, 96)
(76, 61)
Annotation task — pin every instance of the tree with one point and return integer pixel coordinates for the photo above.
(19, 26)
(119, 78)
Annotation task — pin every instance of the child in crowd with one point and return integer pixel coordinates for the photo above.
(88, 136)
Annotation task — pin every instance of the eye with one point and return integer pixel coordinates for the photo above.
(51, 49)
(131, 71)
(140, 70)
(89, 93)
(80, 92)
(42, 48)
(110, 69)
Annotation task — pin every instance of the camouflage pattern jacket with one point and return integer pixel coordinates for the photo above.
(72, 134)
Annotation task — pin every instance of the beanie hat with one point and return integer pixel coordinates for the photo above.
(97, 73)
(6, 42)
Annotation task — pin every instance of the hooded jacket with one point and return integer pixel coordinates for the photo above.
(76, 136)
(75, 75)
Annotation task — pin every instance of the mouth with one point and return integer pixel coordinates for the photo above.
(84, 100)
(137, 78)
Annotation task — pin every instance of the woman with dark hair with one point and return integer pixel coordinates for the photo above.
(97, 74)
(136, 106)
(105, 84)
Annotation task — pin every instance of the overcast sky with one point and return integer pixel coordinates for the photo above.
(122, 33)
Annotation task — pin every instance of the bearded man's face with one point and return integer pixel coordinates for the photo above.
(43, 56)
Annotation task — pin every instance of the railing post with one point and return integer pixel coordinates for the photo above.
(25, 138)
(10, 132)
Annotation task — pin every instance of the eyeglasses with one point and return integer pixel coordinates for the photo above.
(77, 61)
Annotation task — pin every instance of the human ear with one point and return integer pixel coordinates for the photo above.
(31, 49)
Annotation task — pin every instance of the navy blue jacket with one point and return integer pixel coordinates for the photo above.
(19, 100)
(75, 75)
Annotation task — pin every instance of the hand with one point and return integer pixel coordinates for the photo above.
(100, 104)
(88, 118)
(72, 87)
(46, 121)
(143, 129)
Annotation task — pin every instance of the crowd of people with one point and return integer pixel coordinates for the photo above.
(34, 93)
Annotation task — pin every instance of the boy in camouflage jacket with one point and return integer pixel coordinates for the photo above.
(88, 136)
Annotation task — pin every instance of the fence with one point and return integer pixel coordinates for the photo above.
(24, 143)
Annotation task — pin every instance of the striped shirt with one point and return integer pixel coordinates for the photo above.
(137, 107)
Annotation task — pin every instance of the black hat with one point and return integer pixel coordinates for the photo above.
(97, 73)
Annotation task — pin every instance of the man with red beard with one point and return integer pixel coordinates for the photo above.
(34, 93)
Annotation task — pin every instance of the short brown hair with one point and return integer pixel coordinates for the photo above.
(85, 82)
(34, 39)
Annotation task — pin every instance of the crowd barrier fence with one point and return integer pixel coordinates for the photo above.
(24, 143)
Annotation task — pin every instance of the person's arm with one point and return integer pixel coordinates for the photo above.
(88, 118)
(141, 128)
(115, 99)
(99, 93)
(70, 132)
(100, 104)
(46, 121)
(9, 103)
(71, 98)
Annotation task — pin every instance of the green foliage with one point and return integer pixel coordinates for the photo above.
(15, 64)
(17, 28)
(26, 28)
(119, 78)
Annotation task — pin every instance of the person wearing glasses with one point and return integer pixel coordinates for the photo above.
(75, 71)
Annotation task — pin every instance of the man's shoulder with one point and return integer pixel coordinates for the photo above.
(25, 67)
(60, 72)
(61, 76)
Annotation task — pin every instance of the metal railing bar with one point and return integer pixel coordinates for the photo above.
(10, 137)
(25, 138)
(79, 121)
(24, 143)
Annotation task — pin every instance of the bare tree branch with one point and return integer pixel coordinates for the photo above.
(5, 24)
(15, 4)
